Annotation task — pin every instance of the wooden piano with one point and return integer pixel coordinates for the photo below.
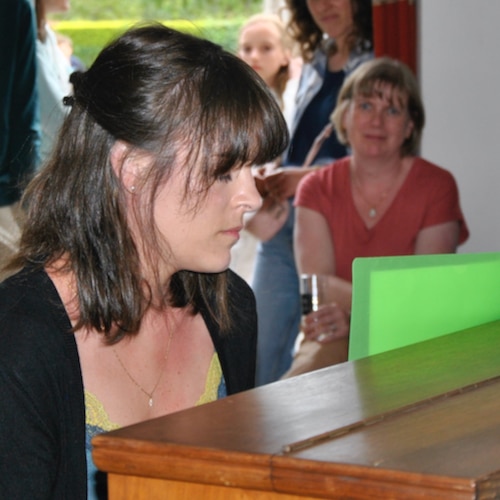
(420, 422)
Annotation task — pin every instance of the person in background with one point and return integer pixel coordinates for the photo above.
(382, 200)
(54, 70)
(124, 309)
(19, 126)
(334, 37)
(265, 46)
(65, 44)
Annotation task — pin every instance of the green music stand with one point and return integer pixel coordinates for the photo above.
(399, 301)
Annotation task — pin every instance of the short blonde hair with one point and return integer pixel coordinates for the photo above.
(364, 80)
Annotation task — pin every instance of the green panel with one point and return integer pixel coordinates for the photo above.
(399, 301)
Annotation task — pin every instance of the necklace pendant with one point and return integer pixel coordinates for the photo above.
(150, 402)
(372, 213)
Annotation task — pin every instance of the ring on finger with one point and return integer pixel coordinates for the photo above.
(323, 336)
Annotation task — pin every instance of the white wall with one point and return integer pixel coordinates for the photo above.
(459, 71)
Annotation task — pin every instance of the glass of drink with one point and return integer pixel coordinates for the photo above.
(312, 288)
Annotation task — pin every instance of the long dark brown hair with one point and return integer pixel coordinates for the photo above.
(158, 91)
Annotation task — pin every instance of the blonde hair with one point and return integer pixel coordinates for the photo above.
(286, 42)
(364, 80)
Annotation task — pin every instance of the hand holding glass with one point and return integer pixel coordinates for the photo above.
(322, 320)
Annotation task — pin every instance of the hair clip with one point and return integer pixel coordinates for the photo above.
(68, 100)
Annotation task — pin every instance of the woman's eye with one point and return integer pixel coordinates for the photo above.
(393, 111)
(364, 105)
(245, 49)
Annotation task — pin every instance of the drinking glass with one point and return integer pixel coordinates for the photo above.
(312, 292)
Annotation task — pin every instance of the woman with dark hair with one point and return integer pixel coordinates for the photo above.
(382, 200)
(334, 37)
(124, 309)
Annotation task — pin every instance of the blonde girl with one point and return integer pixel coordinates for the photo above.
(264, 45)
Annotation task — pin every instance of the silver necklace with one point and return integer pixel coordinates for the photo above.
(373, 207)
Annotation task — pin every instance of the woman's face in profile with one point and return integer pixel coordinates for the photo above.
(199, 235)
(377, 125)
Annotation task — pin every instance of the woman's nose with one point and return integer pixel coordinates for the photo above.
(250, 196)
(377, 117)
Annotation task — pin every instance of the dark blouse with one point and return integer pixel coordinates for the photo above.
(315, 117)
(42, 417)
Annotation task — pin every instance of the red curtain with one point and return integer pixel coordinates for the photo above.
(395, 30)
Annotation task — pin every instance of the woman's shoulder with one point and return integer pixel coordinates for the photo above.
(30, 310)
(14, 288)
(25, 283)
(38, 350)
(357, 57)
(335, 171)
(323, 183)
(426, 169)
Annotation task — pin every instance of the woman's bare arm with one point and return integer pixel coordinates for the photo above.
(441, 238)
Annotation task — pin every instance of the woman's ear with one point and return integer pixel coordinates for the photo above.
(409, 129)
(126, 164)
(346, 116)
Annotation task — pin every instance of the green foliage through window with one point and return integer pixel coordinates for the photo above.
(91, 24)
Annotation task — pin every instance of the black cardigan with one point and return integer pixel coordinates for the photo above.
(42, 410)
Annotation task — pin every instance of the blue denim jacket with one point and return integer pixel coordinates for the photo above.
(312, 76)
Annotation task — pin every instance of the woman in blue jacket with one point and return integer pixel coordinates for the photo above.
(334, 37)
